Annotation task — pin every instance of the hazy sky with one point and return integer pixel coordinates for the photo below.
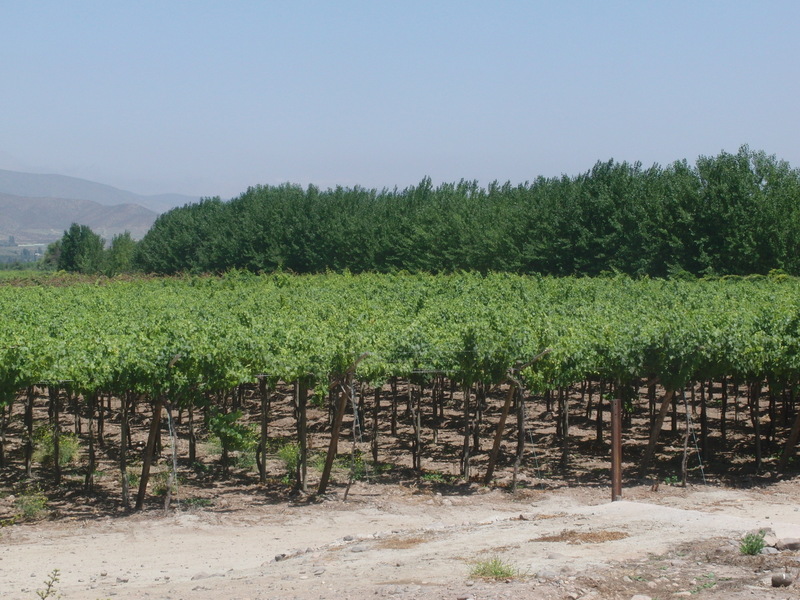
(208, 98)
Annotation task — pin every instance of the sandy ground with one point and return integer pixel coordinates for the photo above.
(412, 542)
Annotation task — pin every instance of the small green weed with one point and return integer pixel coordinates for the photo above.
(671, 480)
(317, 461)
(159, 483)
(436, 477)
(356, 463)
(289, 454)
(494, 568)
(200, 467)
(133, 478)
(31, 505)
(753, 543)
(198, 502)
(705, 582)
(68, 447)
(49, 590)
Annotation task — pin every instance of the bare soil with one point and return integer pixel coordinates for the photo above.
(405, 534)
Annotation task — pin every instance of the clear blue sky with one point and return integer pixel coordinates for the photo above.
(208, 98)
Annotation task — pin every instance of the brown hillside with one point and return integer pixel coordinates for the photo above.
(44, 220)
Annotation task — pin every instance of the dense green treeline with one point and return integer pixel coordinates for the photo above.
(727, 214)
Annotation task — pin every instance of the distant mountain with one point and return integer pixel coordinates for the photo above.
(32, 185)
(44, 220)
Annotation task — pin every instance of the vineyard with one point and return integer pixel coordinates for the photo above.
(303, 382)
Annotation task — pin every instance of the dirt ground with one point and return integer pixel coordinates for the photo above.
(419, 542)
(410, 536)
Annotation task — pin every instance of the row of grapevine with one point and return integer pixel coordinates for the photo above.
(180, 340)
(172, 335)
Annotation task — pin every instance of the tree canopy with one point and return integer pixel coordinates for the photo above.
(727, 214)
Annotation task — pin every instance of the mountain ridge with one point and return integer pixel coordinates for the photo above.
(37, 185)
(44, 220)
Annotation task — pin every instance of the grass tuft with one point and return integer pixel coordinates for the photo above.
(31, 505)
(753, 543)
(494, 568)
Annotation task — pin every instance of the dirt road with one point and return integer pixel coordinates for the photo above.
(412, 543)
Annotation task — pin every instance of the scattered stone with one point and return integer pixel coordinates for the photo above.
(770, 550)
(466, 597)
(788, 544)
(203, 575)
(348, 538)
(555, 556)
(547, 574)
(280, 557)
(122, 580)
(781, 580)
(640, 597)
(319, 571)
(770, 539)
(359, 548)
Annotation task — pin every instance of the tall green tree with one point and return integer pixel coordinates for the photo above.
(119, 256)
(81, 250)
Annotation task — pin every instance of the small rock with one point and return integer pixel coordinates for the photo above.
(682, 594)
(547, 574)
(788, 544)
(348, 538)
(319, 571)
(627, 579)
(122, 580)
(770, 550)
(202, 575)
(781, 580)
(770, 539)
(280, 557)
(641, 597)
(466, 597)
(359, 548)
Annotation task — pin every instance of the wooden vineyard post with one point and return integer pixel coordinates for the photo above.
(263, 391)
(29, 431)
(344, 384)
(498, 436)
(334, 443)
(148, 454)
(669, 396)
(55, 401)
(616, 449)
(302, 426)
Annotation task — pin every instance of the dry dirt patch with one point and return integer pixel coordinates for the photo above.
(570, 536)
